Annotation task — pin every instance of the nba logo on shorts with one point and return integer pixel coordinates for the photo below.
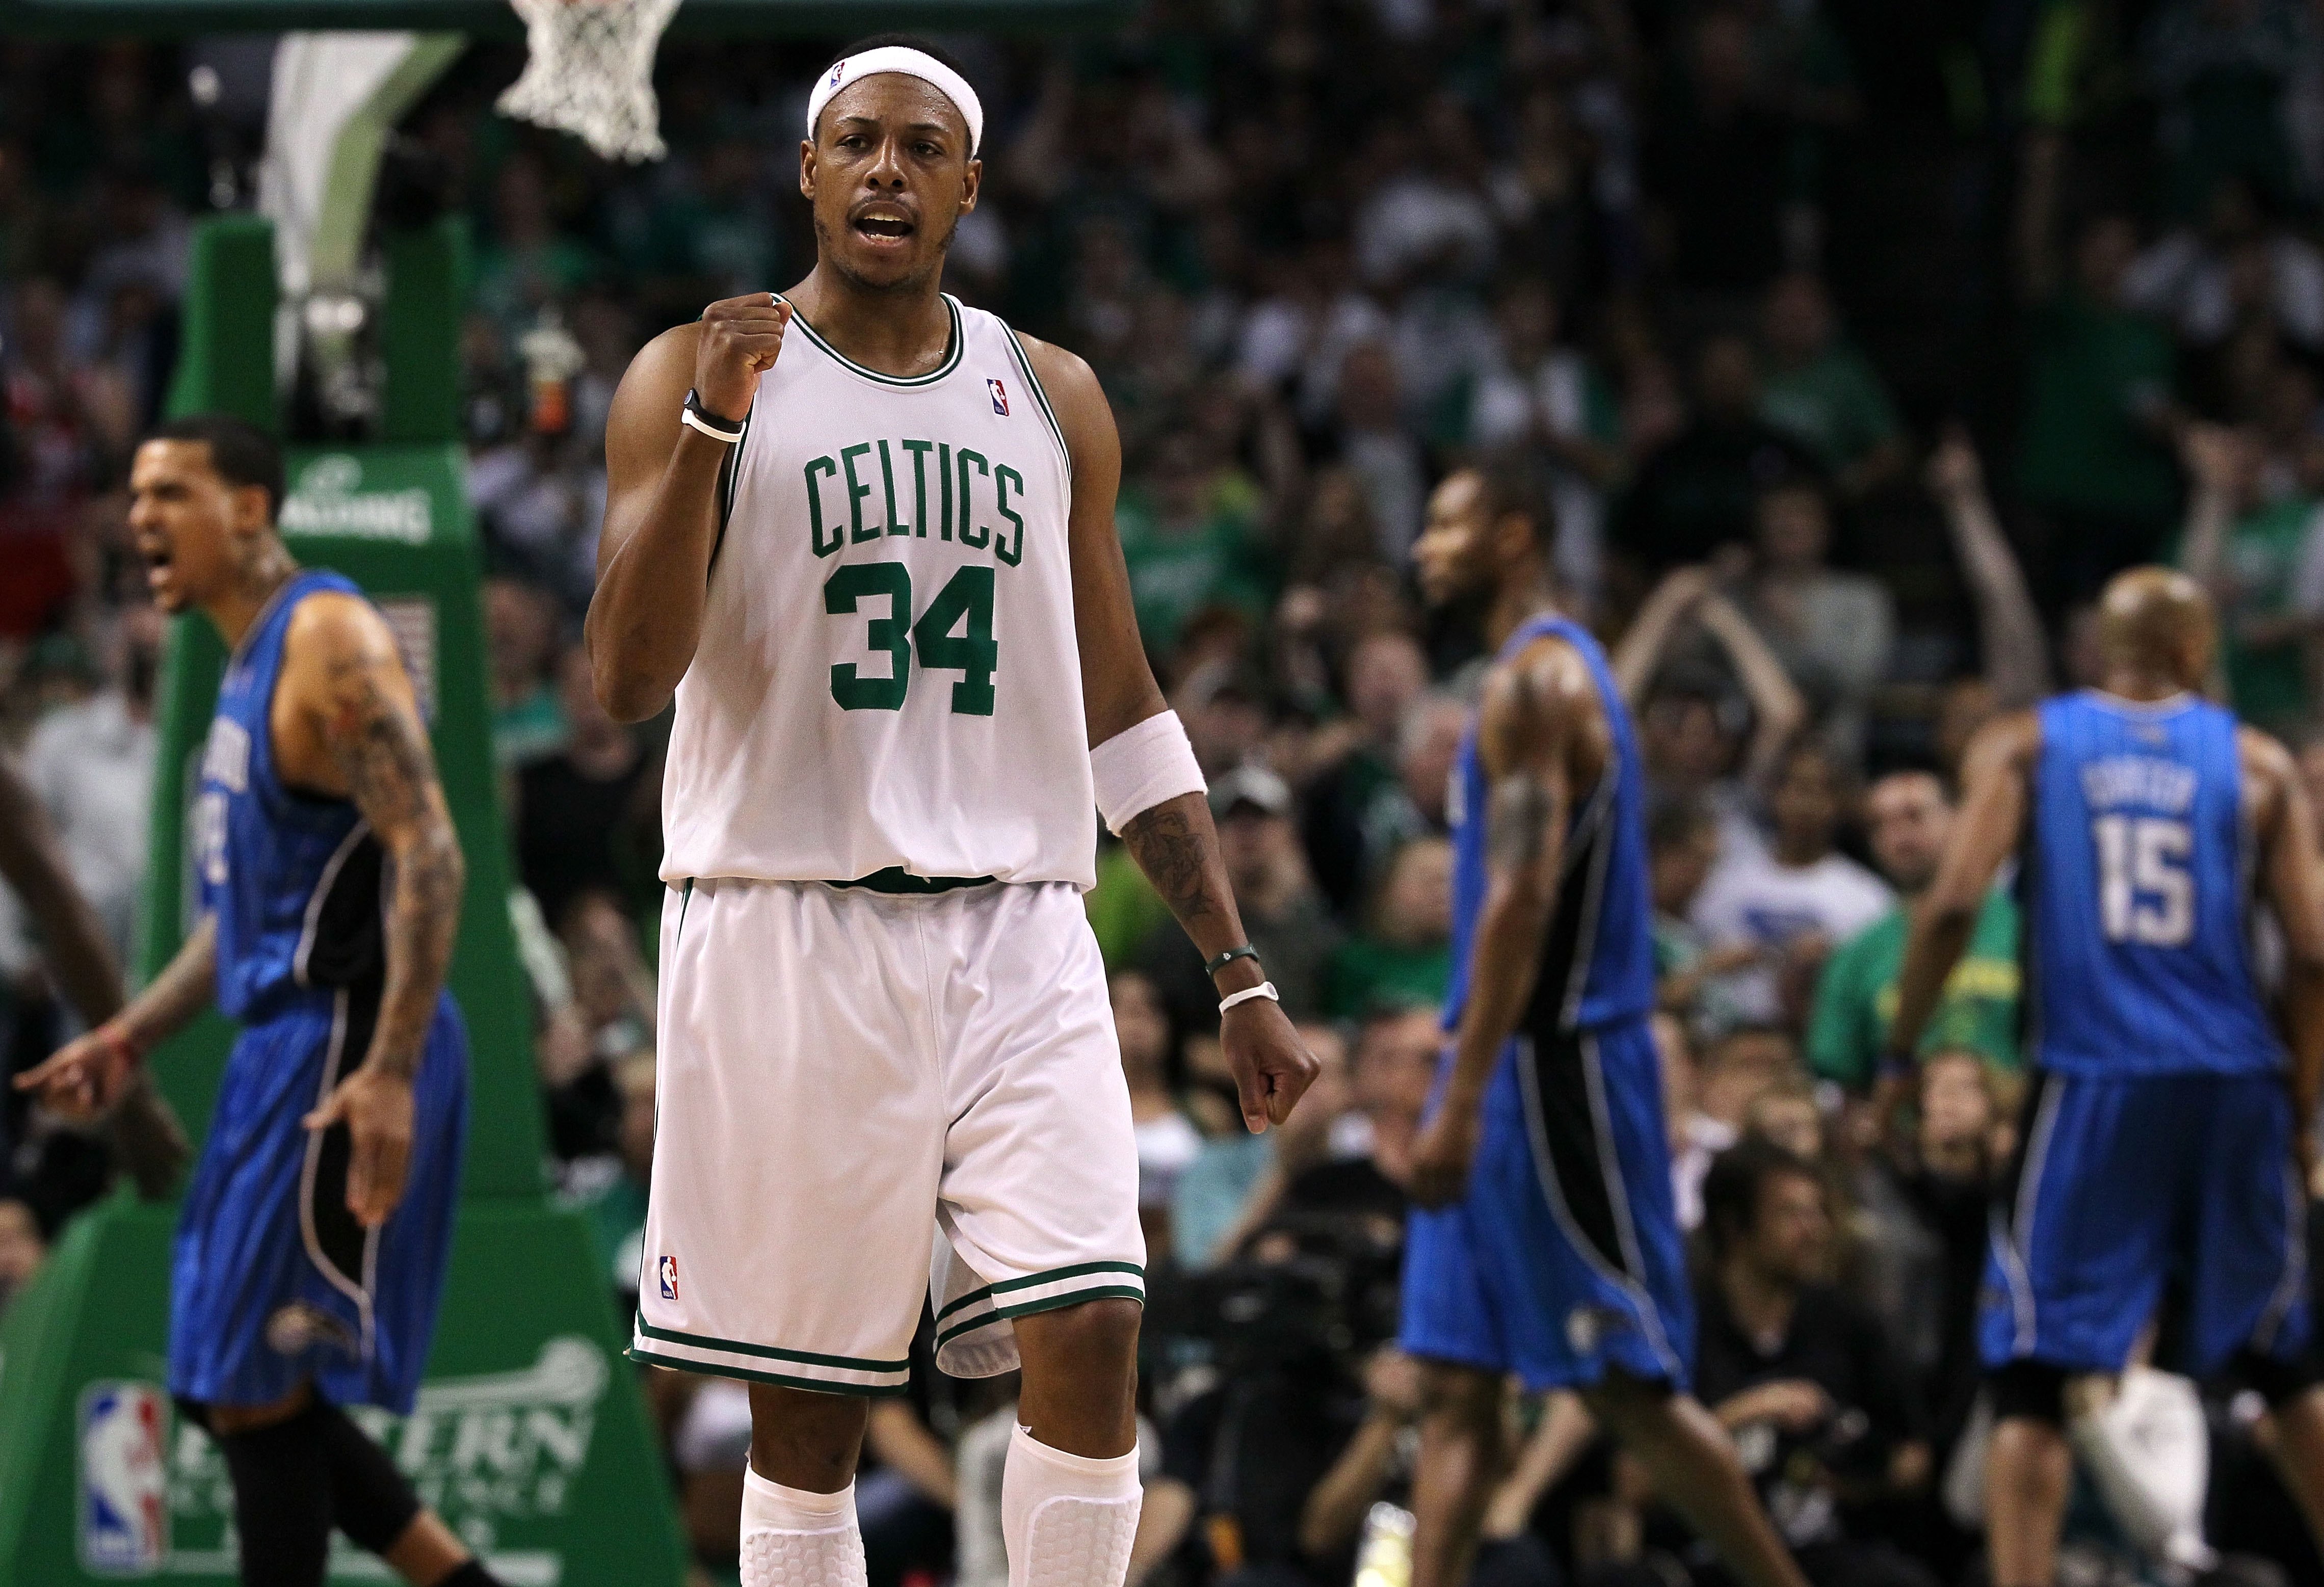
(999, 398)
(124, 1479)
(670, 1277)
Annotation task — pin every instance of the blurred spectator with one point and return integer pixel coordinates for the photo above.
(1396, 1064)
(1538, 391)
(614, 1003)
(1930, 1217)
(1691, 737)
(540, 497)
(2223, 70)
(1681, 849)
(1282, 913)
(1737, 1066)
(1833, 632)
(90, 764)
(706, 230)
(588, 817)
(21, 1250)
(1908, 819)
(1385, 457)
(2095, 458)
(1697, 492)
(2248, 552)
(1825, 394)
(1404, 957)
(1356, 807)
(1718, 159)
(1168, 1141)
(1236, 1178)
(1190, 536)
(1426, 215)
(1785, 1114)
(526, 262)
(1797, 897)
(522, 654)
(609, 1190)
(2016, 652)
(1819, 1406)
(2200, 281)
(1427, 751)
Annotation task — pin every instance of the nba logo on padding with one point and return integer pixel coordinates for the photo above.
(999, 398)
(670, 1277)
(124, 1488)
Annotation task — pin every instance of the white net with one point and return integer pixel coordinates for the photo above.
(589, 70)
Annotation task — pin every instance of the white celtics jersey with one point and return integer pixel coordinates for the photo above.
(887, 678)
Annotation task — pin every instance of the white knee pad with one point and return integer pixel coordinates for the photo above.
(795, 1538)
(1067, 1520)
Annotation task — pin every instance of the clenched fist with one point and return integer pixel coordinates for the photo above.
(740, 339)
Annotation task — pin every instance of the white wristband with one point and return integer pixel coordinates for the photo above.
(1265, 989)
(688, 417)
(1139, 767)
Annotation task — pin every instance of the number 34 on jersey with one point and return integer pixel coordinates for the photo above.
(954, 632)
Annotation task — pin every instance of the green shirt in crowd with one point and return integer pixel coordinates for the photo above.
(1857, 998)
(2268, 683)
(1834, 405)
(1175, 573)
(1368, 973)
(2092, 370)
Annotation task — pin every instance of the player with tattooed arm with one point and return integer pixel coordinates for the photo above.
(310, 1256)
(1546, 1244)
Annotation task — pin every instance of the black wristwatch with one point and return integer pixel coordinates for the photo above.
(1228, 957)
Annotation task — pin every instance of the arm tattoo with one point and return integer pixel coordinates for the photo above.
(185, 986)
(1180, 856)
(379, 745)
(1517, 822)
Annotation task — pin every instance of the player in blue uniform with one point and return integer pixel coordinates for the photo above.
(310, 1256)
(1548, 1243)
(2169, 1147)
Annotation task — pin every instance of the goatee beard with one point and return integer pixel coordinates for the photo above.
(909, 286)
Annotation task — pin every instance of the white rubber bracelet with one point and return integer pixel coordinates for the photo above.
(1265, 989)
(688, 417)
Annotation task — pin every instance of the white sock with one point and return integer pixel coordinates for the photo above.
(795, 1538)
(1067, 1520)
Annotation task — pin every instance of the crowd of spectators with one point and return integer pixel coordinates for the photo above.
(1855, 342)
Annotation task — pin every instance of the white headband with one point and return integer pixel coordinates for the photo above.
(910, 62)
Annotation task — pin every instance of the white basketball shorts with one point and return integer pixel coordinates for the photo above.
(863, 1097)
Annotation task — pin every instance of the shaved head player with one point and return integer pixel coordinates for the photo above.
(864, 535)
(2174, 1093)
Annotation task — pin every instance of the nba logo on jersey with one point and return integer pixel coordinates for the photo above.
(124, 1488)
(668, 1277)
(999, 398)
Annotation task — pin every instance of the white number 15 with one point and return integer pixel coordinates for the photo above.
(2145, 893)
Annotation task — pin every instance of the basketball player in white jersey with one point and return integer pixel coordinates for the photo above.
(864, 535)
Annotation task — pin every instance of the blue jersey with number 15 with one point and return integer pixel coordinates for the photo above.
(2136, 892)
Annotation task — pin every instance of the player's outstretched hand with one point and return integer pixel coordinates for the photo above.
(83, 1078)
(375, 1105)
(740, 337)
(1444, 1156)
(1272, 1067)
